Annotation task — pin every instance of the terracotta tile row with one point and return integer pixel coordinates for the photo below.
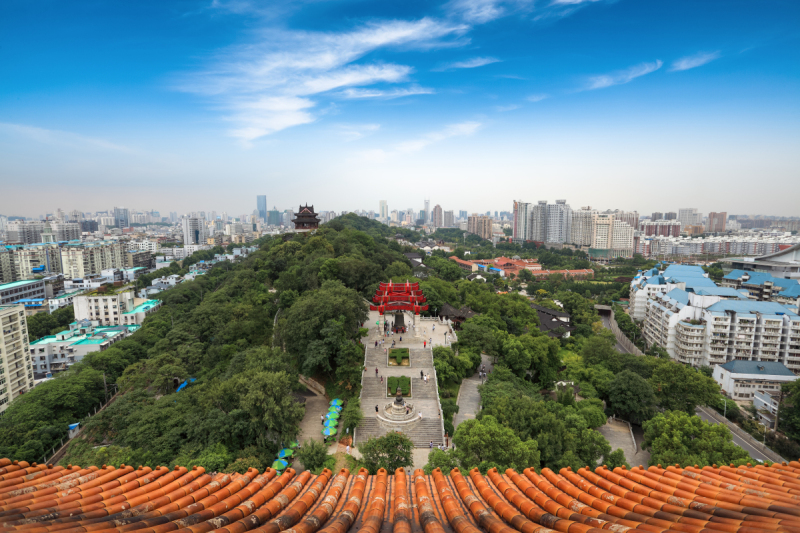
(717, 499)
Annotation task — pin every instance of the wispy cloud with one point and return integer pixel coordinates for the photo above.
(453, 130)
(353, 132)
(66, 139)
(382, 94)
(537, 97)
(693, 61)
(468, 63)
(270, 85)
(477, 11)
(504, 108)
(623, 76)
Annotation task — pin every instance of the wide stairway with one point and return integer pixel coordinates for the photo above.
(423, 396)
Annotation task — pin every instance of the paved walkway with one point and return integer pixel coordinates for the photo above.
(424, 396)
(618, 435)
(469, 400)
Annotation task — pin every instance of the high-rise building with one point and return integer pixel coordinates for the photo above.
(520, 230)
(426, 217)
(622, 236)
(437, 216)
(384, 211)
(66, 231)
(663, 228)
(559, 222)
(462, 215)
(689, 217)
(449, 220)
(16, 375)
(173, 216)
(581, 233)
(122, 217)
(671, 215)
(480, 225)
(261, 201)
(657, 215)
(602, 230)
(20, 231)
(716, 222)
(538, 223)
(194, 230)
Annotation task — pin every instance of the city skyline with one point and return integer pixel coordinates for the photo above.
(353, 102)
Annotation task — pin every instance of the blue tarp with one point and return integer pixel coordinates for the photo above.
(183, 385)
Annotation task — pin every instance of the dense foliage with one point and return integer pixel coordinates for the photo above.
(42, 324)
(390, 452)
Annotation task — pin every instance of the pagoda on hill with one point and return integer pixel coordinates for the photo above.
(306, 219)
(392, 297)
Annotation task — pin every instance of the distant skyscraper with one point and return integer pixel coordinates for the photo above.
(671, 216)
(581, 232)
(449, 220)
(462, 215)
(538, 223)
(521, 231)
(437, 216)
(426, 217)
(194, 230)
(689, 216)
(173, 216)
(121, 217)
(261, 201)
(657, 216)
(384, 211)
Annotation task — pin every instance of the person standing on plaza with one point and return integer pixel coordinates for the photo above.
(322, 419)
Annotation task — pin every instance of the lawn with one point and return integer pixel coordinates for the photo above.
(399, 357)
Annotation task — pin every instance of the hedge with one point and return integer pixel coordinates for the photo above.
(399, 354)
(404, 382)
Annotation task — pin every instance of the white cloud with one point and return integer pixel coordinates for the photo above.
(623, 76)
(477, 11)
(469, 63)
(504, 108)
(381, 94)
(453, 130)
(537, 97)
(571, 2)
(353, 132)
(60, 138)
(697, 60)
(269, 85)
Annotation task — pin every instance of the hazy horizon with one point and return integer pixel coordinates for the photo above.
(186, 105)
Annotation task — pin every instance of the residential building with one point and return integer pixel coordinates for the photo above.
(146, 245)
(384, 211)
(716, 222)
(37, 260)
(520, 230)
(25, 232)
(16, 376)
(88, 259)
(767, 404)
(762, 286)
(622, 236)
(139, 259)
(690, 217)
(437, 216)
(538, 223)
(449, 219)
(105, 305)
(665, 228)
(582, 226)
(647, 285)
(56, 353)
(142, 310)
(602, 230)
(261, 202)
(559, 222)
(66, 231)
(741, 379)
(21, 290)
(657, 215)
(427, 216)
(671, 215)
(480, 225)
(8, 269)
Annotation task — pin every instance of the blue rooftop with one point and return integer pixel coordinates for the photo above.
(764, 368)
(750, 306)
(759, 278)
(725, 292)
(692, 282)
(684, 271)
(656, 280)
(679, 295)
(791, 292)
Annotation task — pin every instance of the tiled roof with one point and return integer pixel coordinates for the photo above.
(759, 278)
(764, 368)
(750, 306)
(42, 499)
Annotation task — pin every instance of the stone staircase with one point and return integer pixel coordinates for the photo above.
(423, 432)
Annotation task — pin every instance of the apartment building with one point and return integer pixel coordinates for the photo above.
(22, 290)
(582, 226)
(480, 225)
(16, 376)
(762, 286)
(25, 232)
(559, 222)
(647, 285)
(716, 325)
(87, 259)
(7, 267)
(112, 307)
(36, 260)
(56, 353)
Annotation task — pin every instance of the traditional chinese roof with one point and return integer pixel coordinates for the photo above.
(451, 312)
(42, 499)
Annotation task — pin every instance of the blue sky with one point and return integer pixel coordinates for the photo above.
(202, 105)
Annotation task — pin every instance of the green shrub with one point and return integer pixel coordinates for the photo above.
(404, 382)
(313, 454)
(399, 354)
(449, 408)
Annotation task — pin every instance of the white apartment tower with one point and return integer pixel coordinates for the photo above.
(559, 222)
(16, 376)
(581, 233)
(194, 230)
